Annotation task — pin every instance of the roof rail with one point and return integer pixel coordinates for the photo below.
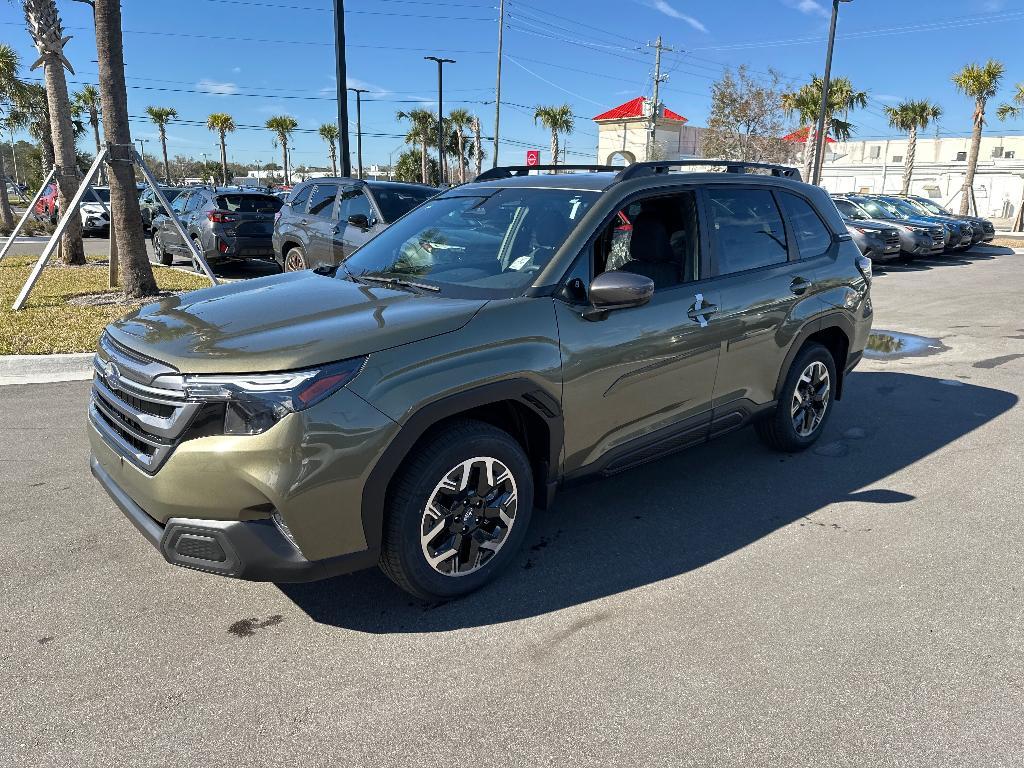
(731, 166)
(508, 171)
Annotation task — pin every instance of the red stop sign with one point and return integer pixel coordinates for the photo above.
(533, 157)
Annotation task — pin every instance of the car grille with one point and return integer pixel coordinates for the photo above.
(892, 239)
(988, 226)
(138, 405)
(938, 237)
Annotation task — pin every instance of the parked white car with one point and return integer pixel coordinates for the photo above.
(96, 216)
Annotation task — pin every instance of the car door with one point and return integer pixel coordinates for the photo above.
(639, 382)
(357, 221)
(169, 237)
(762, 283)
(320, 224)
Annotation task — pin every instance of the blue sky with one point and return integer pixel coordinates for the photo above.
(589, 53)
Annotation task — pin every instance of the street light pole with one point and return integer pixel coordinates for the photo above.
(497, 87)
(359, 127)
(440, 115)
(819, 139)
(339, 52)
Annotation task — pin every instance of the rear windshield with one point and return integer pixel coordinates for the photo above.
(395, 202)
(102, 192)
(249, 203)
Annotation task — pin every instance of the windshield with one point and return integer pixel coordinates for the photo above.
(905, 207)
(102, 192)
(395, 202)
(931, 207)
(475, 246)
(249, 203)
(850, 210)
(879, 209)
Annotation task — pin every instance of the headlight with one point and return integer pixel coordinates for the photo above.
(253, 403)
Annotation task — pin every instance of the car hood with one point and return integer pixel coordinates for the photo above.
(285, 322)
(872, 224)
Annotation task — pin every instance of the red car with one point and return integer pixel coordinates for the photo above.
(47, 205)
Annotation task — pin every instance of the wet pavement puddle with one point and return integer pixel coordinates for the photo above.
(893, 345)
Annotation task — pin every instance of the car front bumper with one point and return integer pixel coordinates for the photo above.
(285, 505)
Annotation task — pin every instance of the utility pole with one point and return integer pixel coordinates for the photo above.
(359, 127)
(819, 139)
(440, 115)
(497, 87)
(342, 75)
(659, 78)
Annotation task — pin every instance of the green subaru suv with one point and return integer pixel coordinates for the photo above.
(412, 407)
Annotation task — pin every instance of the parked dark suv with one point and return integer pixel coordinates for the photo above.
(226, 224)
(412, 406)
(324, 220)
(150, 206)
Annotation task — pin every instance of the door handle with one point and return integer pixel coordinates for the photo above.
(799, 286)
(700, 311)
(303, 221)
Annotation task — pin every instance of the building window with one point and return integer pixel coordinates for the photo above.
(997, 151)
(961, 155)
(897, 158)
(876, 152)
(1010, 155)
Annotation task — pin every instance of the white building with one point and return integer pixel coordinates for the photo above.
(877, 166)
(622, 134)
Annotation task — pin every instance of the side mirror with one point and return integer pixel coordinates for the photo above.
(359, 220)
(617, 290)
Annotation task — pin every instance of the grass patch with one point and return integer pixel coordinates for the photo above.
(1008, 242)
(48, 323)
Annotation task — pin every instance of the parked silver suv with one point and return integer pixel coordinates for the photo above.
(324, 220)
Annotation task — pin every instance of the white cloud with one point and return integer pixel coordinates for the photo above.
(662, 6)
(355, 82)
(811, 7)
(236, 70)
(213, 87)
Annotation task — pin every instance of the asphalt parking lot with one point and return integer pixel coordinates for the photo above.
(859, 604)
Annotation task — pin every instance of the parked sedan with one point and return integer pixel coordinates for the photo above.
(47, 206)
(984, 230)
(96, 214)
(324, 220)
(150, 206)
(917, 238)
(959, 233)
(226, 224)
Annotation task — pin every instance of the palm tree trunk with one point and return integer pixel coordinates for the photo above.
(6, 214)
(462, 158)
(223, 158)
(163, 148)
(68, 178)
(554, 147)
(334, 158)
(972, 158)
(94, 120)
(284, 153)
(809, 153)
(126, 220)
(423, 162)
(908, 165)
(478, 150)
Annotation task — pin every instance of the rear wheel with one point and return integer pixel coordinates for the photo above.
(457, 512)
(158, 248)
(295, 260)
(805, 402)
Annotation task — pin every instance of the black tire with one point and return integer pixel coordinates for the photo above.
(779, 431)
(196, 266)
(295, 260)
(162, 256)
(403, 558)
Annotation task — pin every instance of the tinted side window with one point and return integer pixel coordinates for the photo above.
(321, 202)
(194, 201)
(298, 200)
(812, 236)
(179, 203)
(354, 201)
(747, 229)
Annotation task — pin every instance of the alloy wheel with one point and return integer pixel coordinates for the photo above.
(810, 399)
(468, 516)
(293, 261)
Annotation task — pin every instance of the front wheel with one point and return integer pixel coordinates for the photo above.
(162, 256)
(457, 512)
(805, 402)
(295, 260)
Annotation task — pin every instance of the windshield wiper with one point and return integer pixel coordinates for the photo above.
(398, 282)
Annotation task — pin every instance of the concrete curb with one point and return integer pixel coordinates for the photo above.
(45, 369)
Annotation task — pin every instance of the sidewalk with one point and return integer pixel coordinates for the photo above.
(45, 369)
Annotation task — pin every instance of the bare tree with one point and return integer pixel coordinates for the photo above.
(48, 35)
(747, 119)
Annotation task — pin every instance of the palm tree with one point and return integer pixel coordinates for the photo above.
(459, 120)
(805, 104)
(910, 116)
(283, 126)
(87, 100)
(161, 116)
(223, 124)
(9, 86)
(329, 133)
(1005, 112)
(126, 220)
(422, 133)
(979, 82)
(557, 120)
(47, 32)
(478, 148)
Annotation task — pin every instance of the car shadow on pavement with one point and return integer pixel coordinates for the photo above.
(680, 513)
